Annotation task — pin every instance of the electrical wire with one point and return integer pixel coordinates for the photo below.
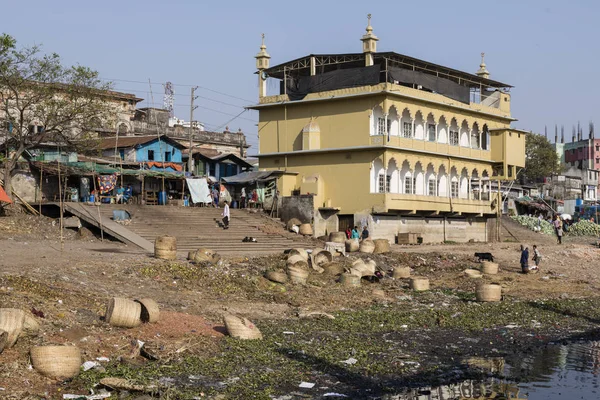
(181, 85)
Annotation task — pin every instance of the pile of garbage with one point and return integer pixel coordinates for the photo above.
(584, 228)
(535, 224)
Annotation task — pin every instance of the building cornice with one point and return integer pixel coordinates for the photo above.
(362, 148)
(381, 92)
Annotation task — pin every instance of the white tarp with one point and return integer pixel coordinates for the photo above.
(199, 190)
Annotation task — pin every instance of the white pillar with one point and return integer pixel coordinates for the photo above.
(412, 121)
(437, 136)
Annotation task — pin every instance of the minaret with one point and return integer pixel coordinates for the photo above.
(579, 132)
(562, 134)
(369, 43)
(483, 72)
(262, 63)
(591, 130)
(546, 131)
(573, 134)
(555, 133)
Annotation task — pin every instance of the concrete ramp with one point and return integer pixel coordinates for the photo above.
(90, 215)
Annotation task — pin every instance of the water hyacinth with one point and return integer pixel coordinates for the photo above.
(533, 223)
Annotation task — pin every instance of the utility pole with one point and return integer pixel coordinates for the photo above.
(192, 108)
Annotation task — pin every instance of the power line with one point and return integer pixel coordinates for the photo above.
(182, 85)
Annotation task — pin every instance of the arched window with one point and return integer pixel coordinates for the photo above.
(419, 186)
(442, 130)
(377, 177)
(392, 178)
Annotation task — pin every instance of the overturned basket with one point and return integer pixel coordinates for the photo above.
(488, 292)
(366, 246)
(241, 328)
(489, 268)
(401, 272)
(381, 246)
(419, 283)
(299, 252)
(11, 321)
(123, 312)
(297, 274)
(150, 311)
(56, 361)
(350, 279)
(352, 245)
(276, 276)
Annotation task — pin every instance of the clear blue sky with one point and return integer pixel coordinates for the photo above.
(547, 49)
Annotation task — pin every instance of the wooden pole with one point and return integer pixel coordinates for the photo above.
(143, 193)
(60, 203)
(97, 201)
(183, 190)
(41, 193)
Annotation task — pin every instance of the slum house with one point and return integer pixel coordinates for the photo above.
(153, 153)
(388, 141)
(213, 163)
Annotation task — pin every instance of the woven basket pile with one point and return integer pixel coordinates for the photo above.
(401, 272)
(419, 283)
(337, 237)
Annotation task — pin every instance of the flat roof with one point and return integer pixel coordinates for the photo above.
(301, 66)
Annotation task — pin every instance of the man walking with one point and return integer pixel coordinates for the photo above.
(226, 215)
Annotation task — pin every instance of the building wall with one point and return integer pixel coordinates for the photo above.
(159, 148)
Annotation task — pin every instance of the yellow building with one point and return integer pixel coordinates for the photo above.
(389, 141)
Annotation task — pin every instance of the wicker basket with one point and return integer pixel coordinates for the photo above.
(381, 246)
(150, 310)
(297, 274)
(322, 256)
(337, 237)
(366, 246)
(473, 273)
(306, 229)
(352, 245)
(165, 247)
(419, 283)
(276, 276)
(241, 328)
(371, 266)
(488, 292)
(123, 312)
(401, 272)
(332, 269)
(30, 325)
(299, 252)
(56, 361)
(350, 279)
(202, 255)
(3, 340)
(490, 268)
(298, 261)
(11, 321)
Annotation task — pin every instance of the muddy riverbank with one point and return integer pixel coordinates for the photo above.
(376, 345)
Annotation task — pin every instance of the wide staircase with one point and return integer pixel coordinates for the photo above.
(196, 227)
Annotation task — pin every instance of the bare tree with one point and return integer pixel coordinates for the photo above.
(41, 101)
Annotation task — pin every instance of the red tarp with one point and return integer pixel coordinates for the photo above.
(4, 197)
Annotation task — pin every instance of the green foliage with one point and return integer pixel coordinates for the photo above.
(541, 159)
(37, 90)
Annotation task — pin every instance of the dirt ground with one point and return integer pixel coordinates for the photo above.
(70, 283)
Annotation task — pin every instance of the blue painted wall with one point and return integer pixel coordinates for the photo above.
(159, 148)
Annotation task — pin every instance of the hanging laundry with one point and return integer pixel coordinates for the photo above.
(106, 183)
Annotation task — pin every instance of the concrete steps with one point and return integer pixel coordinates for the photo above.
(199, 227)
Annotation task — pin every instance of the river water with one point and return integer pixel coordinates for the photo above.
(556, 372)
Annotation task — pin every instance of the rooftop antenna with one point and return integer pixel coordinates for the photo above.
(169, 98)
